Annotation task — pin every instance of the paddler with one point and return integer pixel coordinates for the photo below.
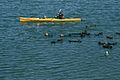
(60, 14)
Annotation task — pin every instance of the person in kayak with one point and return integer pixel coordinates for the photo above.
(60, 14)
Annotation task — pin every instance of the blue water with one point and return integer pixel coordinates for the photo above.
(26, 54)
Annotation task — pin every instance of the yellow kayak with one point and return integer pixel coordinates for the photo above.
(23, 19)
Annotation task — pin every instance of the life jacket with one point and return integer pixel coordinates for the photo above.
(61, 16)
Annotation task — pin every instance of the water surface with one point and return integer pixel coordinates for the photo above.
(26, 54)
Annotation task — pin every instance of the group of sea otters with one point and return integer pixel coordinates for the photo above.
(82, 34)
